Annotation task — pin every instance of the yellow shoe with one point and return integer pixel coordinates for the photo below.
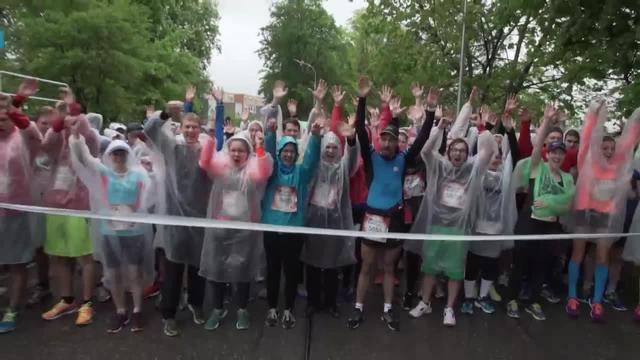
(85, 314)
(60, 309)
(494, 295)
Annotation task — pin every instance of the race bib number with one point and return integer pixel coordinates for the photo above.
(285, 199)
(375, 223)
(413, 186)
(234, 203)
(121, 210)
(603, 190)
(453, 195)
(325, 195)
(65, 179)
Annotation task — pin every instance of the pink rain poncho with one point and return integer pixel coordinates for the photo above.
(19, 142)
(234, 255)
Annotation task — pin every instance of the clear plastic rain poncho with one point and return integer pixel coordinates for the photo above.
(450, 200)
(17, 146)
(230, 255)
(330, 208)
(125, 249)
(187, 189)
(603, 184)
(496, 209)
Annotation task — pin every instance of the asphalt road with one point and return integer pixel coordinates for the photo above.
(478, 336)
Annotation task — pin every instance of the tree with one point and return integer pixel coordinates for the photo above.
(111, 53)
(302, 29)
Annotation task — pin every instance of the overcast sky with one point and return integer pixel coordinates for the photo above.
(237, 67)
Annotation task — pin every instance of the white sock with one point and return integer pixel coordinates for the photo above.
(359, 306)
(485, 286)
(387, 307)
(470, 289)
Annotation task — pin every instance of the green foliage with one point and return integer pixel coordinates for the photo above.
(302, 29)
(116, 55)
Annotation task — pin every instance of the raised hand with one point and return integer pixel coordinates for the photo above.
(507, 121)
(318, 124)
(190, 93)
(28, 87)
(417, 90)
(320, 90)
(438, 114)
(66, 95)
(338, 94)
(364, 86)
(349, 129)
(292, 106)
(511, 104)
(374, 116)
(473, 96)
(228, 127)
(432, 97)
(217, 93)
(394, 105)
(550, 112)
(415, 113)
(385, 94)
(525, 116)
(279, 90)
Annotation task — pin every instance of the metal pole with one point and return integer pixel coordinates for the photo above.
(464, 15)
(33, 77)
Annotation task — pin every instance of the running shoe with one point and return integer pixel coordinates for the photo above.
(60, 309)
(152, 290)
(243, 319)
(467, 307)
(573, 307)
(421, 309)
(612, 298)
(117, 322)
(449, 317)
(272, 318)
(535, 310)
(390, 320)
(8, 322)
(288, 320)
(548, 294)
(170, 327)
(512, 310)
(85, 314)
(102, 294)
(355, 319)
(214, 321)
(197, 314)
(408, 300)
(597, 312)
(137, 322)
(485, 305)
(38, 294)
(636, 313)
(494, 294)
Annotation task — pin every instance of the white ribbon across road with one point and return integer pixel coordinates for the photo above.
(239, 225)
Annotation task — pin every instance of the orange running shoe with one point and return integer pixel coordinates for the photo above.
(85, 314)
(60, 309)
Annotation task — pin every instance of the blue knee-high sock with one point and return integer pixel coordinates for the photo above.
(602, 274)
(574, 274)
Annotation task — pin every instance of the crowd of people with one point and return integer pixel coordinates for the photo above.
(471, 173)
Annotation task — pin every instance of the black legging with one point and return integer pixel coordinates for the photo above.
(412, 267)
(219, 289)
(322, 282)
(283, 253)
(172, 288)
(484, 266)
